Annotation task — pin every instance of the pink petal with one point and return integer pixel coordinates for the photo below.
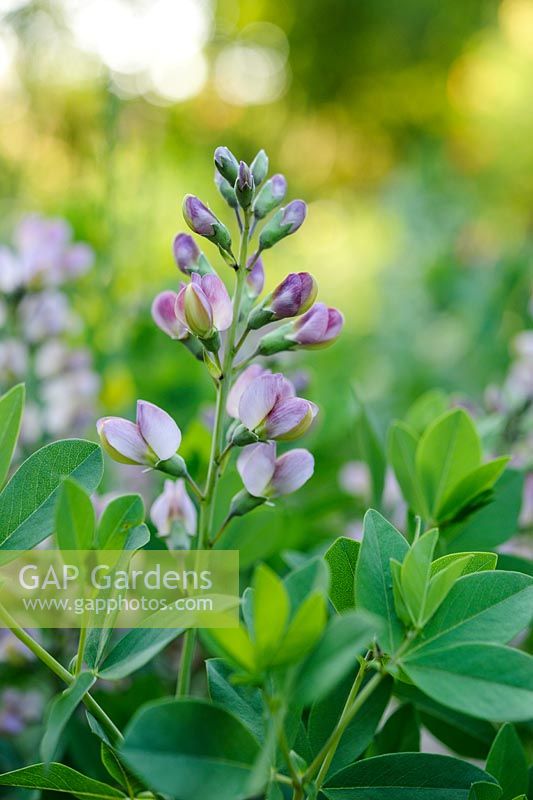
(124, 440)
(198, 311)
(335, 323)
(258, 399)
(185, 508)
(219, 300)
(158, 429)
(312, 327)
(256, 467)
(289, 419)
(292, 470)
(160, 511)
(164, 315)
(243, 381)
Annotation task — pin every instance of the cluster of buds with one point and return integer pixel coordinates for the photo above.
(262, 406)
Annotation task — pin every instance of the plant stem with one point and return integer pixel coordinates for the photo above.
(81, 650)
(208, 497)
(354, 701)
(58, 669)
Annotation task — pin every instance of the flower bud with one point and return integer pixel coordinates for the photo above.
(188, 256)
(152, 438)
(259, 167)
(319, 327)
(226, 190)
(269, 409)
(164, 315)
(255, 278)
(201, 220)
(204, 306)
(266, 476)
(295, 295)
(244, 186)
(270, 196)
(173, 511)
(284, 222)
(226, 164)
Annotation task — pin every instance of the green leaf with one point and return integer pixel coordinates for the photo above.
(448, 450)
(371, 450)
(482, 607)
(485, 791)
(244, 702)
(477, 562)
(27, 501)
(341, 558)
(475, 483)
(508, 764)
(415, 574)
(312, 576)
(114, 766)
(11, 408)
(271, 612)
(336, 653)
(233, 644)
(493, 524)
(413, 776)
(488, 681)
(190, 749)
(325, 714)
(441, 585)
(400, 733)
(304, 631)
(460, 732)
(118, 519)
(61, 710)
(426, 409)
(135, 649)
(75, 517)
(402, 445)
(58, 778)
(373, 580)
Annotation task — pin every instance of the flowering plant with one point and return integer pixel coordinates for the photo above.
(410, 627)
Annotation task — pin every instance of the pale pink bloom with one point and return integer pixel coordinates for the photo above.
(13, 358)
(264, 475)
(174, 505)
(269, 408)
(204, 306)
(152, 438)
(164, 315)
(354, 478)
(11, 271)
(243, 381)
(46, 314)
(320, 326)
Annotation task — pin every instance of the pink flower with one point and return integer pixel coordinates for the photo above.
(264, 475)
(152, 438)
(241, 384)
(174, 506)
(255, 278)
(203, 306)
(268, 407)
(319, 327)
(164, 315)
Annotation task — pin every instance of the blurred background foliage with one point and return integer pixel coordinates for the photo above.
(407, 127)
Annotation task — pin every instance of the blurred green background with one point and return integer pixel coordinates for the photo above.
(407, 127)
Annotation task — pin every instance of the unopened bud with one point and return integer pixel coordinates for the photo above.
(284, 222)
(226, 190)
(227, 164)
(259, 167)
(270, 196)
(244, 186)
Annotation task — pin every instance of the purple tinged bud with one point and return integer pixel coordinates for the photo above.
(264, 475)
(186, 253)
(270, 196)
(284, 222)
(319, 327)
(259, 167)
(295, 295)
(255, 279)
(226, 190)
(204, 306)
(226, 164)
(201, 220)
(244, 185)
(174, 506)
(268, 408)
(164, 315)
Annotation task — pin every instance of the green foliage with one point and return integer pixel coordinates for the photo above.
(27, 501)
(61, 710)
(371, 450)
(11, 408)
(135, 649)
(341, 558)
(59, 778)
(119, 523)
(189, 748)
(75, 518)
(507, 763)
(422, 775)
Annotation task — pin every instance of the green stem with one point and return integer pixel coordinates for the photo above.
(81, 650)
(208, 497)
(58, 669)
